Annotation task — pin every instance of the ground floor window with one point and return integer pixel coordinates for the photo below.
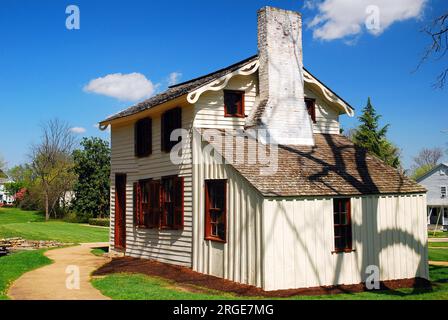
(342, 225)
(159, 203)
(215, 210)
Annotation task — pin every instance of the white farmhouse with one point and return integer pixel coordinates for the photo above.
(436, 182)
(264, 190)
(5, 199)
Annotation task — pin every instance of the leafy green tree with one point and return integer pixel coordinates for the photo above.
(92, 165)
(369, 135)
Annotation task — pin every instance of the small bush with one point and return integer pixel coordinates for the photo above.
(71, 217)
(99, 222)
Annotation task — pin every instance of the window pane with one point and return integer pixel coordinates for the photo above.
(233, 102)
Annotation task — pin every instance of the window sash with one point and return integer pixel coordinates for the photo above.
(239, 105)
(343, 237)
(311, 107)
(215, 218)
(151, 208)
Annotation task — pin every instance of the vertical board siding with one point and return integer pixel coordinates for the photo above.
(239, 258)
(166, 246)
(388, 231)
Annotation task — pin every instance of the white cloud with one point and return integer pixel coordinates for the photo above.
(78, 130)
(337, 19)
(174, 78)
(126, 87)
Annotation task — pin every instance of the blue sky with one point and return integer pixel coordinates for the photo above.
(44, 67)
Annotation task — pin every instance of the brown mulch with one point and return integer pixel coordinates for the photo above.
(187, 277)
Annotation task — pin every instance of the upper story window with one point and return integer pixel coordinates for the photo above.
(443, 192)
(342, 225)
(215, 210)
(311, 107)
(171, 120)
(143, 137)
(234, 103)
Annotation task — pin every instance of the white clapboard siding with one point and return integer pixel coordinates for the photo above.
(164, 245)
(209, 110)
(239, 259)
(327, 118)
(388, 232)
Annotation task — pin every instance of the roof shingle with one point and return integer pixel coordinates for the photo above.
(333, 167)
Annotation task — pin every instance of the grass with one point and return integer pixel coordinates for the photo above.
(16, 264)
(438, 254)
(438, 234)
(142, 287)
(438, 245)
(99, 251)
(31, 225)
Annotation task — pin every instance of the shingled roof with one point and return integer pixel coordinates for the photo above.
(183, 88)
(333, 167)
(180, 89)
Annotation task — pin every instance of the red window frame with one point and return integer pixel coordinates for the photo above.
(311, 107)
(151, 209)
(240, 104)
(343, 237)
(212, 225)
(170, 121)
(143, 138)
(172, 203)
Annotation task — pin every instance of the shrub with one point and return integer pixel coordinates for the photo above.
(99, 222)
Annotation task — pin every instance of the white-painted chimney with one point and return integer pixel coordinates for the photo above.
(282, 111)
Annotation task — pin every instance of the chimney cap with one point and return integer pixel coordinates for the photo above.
(270, 8)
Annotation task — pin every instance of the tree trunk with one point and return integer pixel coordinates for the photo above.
(47, 207)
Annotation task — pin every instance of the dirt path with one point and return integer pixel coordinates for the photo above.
(58, 280)
(439, 263)
(437, 239)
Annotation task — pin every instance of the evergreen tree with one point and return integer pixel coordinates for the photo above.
(92, 165)
(369, 135)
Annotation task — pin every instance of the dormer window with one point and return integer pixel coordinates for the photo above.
(311, 107)
(234, 103)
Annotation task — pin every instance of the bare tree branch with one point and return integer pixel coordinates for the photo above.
(438, 33)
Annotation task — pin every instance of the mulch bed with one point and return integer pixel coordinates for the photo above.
(187, 277)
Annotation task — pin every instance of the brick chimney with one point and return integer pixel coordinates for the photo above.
(282, 110)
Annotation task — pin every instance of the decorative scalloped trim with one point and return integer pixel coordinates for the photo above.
(328, 94)
(222, 82)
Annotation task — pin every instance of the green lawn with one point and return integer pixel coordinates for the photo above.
(438, 254)
(31, 225)
(142, 287)
(438, 244)
(16, 264)
(438, 234)
(99, 251)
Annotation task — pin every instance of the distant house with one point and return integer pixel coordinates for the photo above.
(5, 199)
(320, 212)
(436, 182)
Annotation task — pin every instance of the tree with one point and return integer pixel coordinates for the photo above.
(437, 30)
(368, 135)
(2, 166)
(92, 166)
(52, 163)
(425, 161)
